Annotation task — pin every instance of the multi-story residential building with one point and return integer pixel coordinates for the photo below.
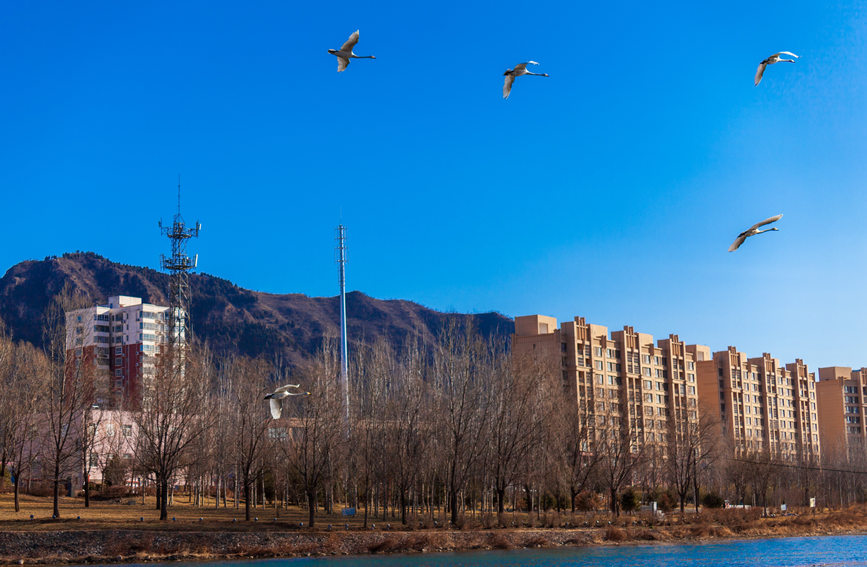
(757, 403)
(621, 380)
(119, 341)
(806, 412)
(842, 402)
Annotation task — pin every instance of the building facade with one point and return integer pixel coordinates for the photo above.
(118, 341)
(622, 380)
(842, 400)
(761, 406)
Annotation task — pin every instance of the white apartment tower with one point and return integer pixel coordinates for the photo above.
(121, 339)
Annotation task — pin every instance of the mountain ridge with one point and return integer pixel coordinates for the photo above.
(228, 318)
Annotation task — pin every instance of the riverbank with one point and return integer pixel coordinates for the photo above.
(68, 542)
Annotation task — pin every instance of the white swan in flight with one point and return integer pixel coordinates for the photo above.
(280, 393)
(344, 54)
(511, 74)
(775, 58)
(752, 231)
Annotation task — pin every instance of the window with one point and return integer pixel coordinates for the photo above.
(600, 379)
(648, 385)
(597, 351)
(646, 371)
(645, 358)
(276, 433)
(118, 372)
(598, 365)
(691, 390)
(127, 430)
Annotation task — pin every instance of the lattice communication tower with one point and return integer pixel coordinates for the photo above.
(179, 266)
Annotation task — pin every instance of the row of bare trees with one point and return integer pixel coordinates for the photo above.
(434, 433)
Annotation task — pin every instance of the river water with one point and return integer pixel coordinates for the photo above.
(788, 552)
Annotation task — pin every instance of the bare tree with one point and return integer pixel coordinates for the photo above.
(692, 441)
(319, 432)
(620, 455)
(7, 400)
(462, 366)
(571, 443)
(249, 416)
(374, 372)
(22, 387)
(70, 389)
(408, 434)
(173, 413)
(520, 397)
(762, 470)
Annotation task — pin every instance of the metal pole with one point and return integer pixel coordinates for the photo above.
(344, 349)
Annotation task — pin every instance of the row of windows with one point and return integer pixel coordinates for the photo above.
(630, 357)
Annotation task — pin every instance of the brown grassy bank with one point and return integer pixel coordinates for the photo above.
(111, 534)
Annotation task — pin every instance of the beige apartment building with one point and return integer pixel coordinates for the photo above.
(622, 379)
(121, 339)
(760, 405)
(842, 401)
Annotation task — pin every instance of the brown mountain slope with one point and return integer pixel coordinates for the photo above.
(226, 317)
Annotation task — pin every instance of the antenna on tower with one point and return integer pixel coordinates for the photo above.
(344, 349)
(179, 265)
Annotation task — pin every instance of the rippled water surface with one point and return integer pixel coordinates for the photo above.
(825, 551)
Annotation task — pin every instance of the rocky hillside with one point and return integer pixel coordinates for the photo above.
(228, 318)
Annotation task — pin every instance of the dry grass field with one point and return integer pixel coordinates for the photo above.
(131, 513)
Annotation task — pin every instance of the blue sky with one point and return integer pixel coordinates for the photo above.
(610, 190)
